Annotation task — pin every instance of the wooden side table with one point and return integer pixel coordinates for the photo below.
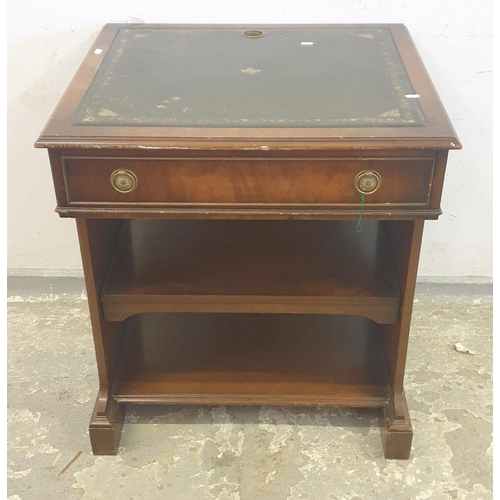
(250, 204)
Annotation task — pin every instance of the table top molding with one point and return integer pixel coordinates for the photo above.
(437, 132)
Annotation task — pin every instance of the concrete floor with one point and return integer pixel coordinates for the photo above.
(219, 453)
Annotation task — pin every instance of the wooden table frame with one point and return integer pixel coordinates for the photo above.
(238, 155)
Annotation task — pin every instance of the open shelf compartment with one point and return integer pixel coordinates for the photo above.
(252, 359)
(313, 267)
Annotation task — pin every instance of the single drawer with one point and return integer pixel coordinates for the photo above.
(276, 182)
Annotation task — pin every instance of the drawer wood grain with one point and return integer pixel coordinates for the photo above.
(248, 182)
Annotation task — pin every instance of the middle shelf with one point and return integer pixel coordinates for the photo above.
(303, 267)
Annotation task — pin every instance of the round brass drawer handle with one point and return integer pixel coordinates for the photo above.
(124, 181)
(367, 181)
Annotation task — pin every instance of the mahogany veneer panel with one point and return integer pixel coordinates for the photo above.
(252, 266)
(405, 182)
(252, 359)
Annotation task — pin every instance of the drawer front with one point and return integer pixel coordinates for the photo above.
(171, 182)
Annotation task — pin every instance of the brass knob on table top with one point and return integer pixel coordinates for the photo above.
(124, 181)
(367, 181)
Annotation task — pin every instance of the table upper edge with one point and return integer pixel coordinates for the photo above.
(438, 134)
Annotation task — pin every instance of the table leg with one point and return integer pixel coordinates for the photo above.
(405, 240)
(97, 239)
(105, 430)
(396, 429)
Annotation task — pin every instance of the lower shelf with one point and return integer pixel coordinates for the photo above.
(252, 359)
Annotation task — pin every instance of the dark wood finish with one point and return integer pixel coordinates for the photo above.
(253, 266)
(83, 187)
(397, 431)
(252, 359)
(105, 430)
(405, 183)
(259, 212)
(405, 239)
(156, 287)
(438, 180)
(97, 242)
